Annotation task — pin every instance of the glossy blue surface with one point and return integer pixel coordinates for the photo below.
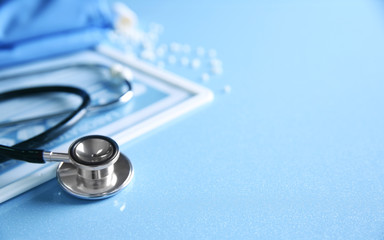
(295, 151)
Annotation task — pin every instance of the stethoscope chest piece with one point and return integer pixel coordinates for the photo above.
(96, 169)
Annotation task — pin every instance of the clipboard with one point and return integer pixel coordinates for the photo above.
(160, 97)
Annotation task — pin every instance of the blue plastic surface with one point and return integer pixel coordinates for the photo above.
(295, 151)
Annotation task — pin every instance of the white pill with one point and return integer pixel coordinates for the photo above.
(134, 36)
(172, 59)
(184, 61)
(175, 47)
(227, 89)
(195, 63)
(205, 77)
(160, 52)
(146, 43)
(153, 36)
(156, 28)
(200, 51)
(122, 207)
(215, 62)
(212, 53)
(126, 18)
(217, 70)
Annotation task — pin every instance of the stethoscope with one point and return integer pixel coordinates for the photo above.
(93, 168)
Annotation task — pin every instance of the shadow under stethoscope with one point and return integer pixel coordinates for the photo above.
(52, 193)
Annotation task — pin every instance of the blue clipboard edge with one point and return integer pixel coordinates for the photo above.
(200, 96)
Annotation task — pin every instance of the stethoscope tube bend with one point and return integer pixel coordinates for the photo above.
(22, 151)
(93, 167)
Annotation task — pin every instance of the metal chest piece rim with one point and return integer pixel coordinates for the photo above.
(96, 169)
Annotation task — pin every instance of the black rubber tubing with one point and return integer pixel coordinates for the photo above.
(24, 150)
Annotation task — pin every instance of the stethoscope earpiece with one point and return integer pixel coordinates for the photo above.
(96, 169)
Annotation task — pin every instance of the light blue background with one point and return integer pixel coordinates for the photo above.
(295, 151)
